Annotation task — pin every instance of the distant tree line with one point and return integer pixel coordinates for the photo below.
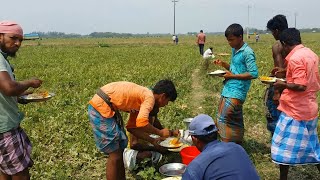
(128, 35)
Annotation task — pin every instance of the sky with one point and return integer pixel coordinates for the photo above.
(154, 16)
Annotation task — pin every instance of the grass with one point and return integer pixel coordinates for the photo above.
(63, 145)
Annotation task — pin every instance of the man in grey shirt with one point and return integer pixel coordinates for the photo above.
(15, 146)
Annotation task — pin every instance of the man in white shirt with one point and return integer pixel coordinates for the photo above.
(208, 55)
(174, 39)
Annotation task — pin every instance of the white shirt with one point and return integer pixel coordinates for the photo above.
(208, 54)
(173, 38)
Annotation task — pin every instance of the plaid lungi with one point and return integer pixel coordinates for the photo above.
(230, 120)
(108, 136)
(15, 151)
(295, 142)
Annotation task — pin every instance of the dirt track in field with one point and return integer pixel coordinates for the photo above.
(198, 93)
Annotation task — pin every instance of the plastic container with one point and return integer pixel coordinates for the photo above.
(187, 121)
(188, 154)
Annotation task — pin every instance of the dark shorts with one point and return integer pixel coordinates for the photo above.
(15, 151)
(272, 113)
(108, 136)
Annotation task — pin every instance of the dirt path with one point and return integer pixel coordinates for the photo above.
(198, 93)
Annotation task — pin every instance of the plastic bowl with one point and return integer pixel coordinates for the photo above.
(188, 154)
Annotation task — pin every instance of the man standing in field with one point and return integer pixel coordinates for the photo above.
(295, 139)
(276, 25)
(237, 82)
(201, 39)
(107, 124)
(15, 146)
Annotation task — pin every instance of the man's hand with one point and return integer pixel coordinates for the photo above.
(176, 133)
(35, 82)
(279, 72)
(218, 62)
(280, 85)
(165, 132)
(228, 75)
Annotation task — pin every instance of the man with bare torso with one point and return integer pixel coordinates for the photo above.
(276, 25)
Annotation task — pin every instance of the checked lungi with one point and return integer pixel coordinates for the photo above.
(295, 142)
(230, 120)
(108, 135)
(15, 151)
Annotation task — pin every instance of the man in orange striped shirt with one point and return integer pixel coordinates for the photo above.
(107, 123)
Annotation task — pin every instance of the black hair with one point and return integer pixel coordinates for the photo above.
(166, 86)
(209, 137)
(201, 30)
(235, 30)
(278, 22)
(290, 36)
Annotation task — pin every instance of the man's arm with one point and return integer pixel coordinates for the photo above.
(245, 76)
(252, 69)
(136, 145)
(156, 122)
(10, 87)
(277, 51)
(222, 64)
(294, 87)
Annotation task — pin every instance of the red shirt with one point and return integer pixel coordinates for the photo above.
(201, 38)
(302, 69)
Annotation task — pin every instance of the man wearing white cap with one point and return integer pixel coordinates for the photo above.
(217, 160)
(15, 146)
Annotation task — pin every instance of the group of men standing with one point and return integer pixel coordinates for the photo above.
(292, 105)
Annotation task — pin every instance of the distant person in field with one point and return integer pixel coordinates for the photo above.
(257, 37)
(107, 124)
(208, 55)
(295, 140)
(15, 146)
(241, 70)
(201, 40)
(177, 40)
(217, 160)
(276, 25)
(174, 39)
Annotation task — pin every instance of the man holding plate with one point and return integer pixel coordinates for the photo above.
(15, 146)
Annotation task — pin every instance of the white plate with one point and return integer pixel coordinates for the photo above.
(179, 149)
(166, 143)
(173, 178)
(271, 81)
(30, 98)
(223, 54)
(217, 73)
(154, 136)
